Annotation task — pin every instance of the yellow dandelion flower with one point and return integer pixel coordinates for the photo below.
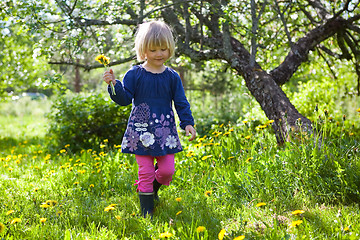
(59, 213)
(76, 183)
(248, 137)
(179, 212)
(102, 59)
(190, 154)
(178, 199)
(270, 121)
(261, 126)
(358, 110)
(10, 212)
(67, 145)
(245, 121)
(51, 203)
(297, 212)
(2, 227)
(207, 193)
(109, 208)
(249, 159)
(296, 223)
(43, 220)
(200, 229)
(165, 235)
(102, 145)
(62, 151)
(346, 229)
(118, 217)
(206, 157)
(44, 206)
(15, 220)
(91, 185)
(260, 204)
(239, 237)
(221, 234)
(226, 133)
(106, 140)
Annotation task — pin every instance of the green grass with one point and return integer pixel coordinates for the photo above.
(220, 179)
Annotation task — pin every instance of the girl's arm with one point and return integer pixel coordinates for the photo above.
(182, 105)
(124, 91)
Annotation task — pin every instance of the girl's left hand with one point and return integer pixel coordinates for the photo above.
(190, 130)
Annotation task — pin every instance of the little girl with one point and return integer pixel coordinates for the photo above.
(151, 132)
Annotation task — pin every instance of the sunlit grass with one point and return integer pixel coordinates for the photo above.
(234, 182)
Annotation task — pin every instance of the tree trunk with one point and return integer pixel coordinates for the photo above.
(77, 83)
(269, 95)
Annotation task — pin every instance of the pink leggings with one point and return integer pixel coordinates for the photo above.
(147, 173)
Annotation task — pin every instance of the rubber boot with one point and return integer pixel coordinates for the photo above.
(146, 203)
(156, 186)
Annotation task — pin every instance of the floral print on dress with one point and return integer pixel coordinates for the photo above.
(149, 131)
(147, 139)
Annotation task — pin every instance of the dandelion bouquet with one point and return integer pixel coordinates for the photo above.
(102, 59)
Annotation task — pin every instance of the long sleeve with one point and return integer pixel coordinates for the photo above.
(124, 91)
(182, 105)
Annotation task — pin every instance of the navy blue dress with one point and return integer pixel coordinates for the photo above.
(151, 128)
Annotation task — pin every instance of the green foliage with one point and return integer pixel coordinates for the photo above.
(85, 120)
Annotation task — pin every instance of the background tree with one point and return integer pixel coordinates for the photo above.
(265, 42)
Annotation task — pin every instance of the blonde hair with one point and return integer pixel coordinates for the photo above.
(153, 34)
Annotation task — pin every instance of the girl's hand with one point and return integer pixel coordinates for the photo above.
(109, 77)
(190, 130)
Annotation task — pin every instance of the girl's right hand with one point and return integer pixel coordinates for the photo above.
(109, 77)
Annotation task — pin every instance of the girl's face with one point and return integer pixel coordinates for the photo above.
(157, 56)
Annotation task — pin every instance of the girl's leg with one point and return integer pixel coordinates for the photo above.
(166, 169)
(146, 173)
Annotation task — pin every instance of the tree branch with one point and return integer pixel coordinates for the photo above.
(88, 67)
(255, 24)
(92, 22)
(299, 52)
(201, 55)
(282, 18)
(327, 63)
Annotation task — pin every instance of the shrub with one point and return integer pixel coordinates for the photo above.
(84, 121)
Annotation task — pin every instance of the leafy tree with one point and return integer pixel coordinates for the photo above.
(265, 42)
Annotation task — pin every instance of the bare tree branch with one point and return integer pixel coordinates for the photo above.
(329, 52)
(282, 18)
(96, 22)
(299, 51)
(254, 28)
(88, 67)
(201, 55)
(321, 10)
(327, 63)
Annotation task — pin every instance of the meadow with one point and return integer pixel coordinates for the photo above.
(234, 182)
